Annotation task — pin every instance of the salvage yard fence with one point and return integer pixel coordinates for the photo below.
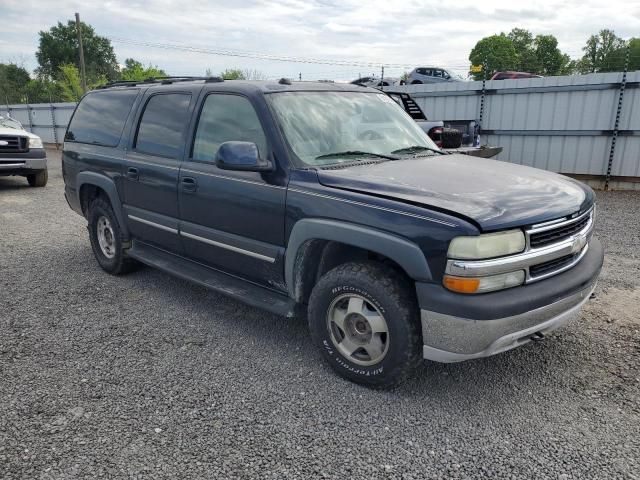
(586, 126)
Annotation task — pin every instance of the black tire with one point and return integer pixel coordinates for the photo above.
(451, 138)
(119, 263)
(416, 82)
(38, 179)
(385, 289)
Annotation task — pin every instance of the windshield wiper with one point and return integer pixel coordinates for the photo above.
(418, 148)
(356, 153)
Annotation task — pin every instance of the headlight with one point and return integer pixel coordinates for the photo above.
(484, 284)
(489, 245)
(35, 142)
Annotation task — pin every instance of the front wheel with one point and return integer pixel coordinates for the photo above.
(364, 319)
(38, 179)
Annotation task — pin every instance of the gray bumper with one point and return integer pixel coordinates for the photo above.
(17, 165)
(454, 339)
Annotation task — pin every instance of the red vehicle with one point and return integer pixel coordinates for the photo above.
(512, 75)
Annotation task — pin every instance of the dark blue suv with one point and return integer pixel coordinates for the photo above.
(328, 201)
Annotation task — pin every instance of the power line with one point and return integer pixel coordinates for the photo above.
(273, 57)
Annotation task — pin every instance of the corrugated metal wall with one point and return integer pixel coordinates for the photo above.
(562, 124)
(47, 120)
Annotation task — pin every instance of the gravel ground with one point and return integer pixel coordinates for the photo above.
(149, 376)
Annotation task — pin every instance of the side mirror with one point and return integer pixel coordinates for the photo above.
(241, 156)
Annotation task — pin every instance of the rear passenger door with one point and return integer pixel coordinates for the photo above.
(152, 166)
(232, 220)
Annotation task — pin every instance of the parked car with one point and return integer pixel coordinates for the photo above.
(21, 153)
(432, 75)
(377, 83)
(350, 216)
(512, 75)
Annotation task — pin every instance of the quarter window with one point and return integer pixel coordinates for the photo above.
(226, 118)
(100, 117)
(161, 130)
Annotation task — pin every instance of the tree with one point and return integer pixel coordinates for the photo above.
(232, 74)
(13, 82)
(68, 82)
(59, 46)
(550, 59)
(525, 49)
(601, 53)
(499, 53)
(135, 70)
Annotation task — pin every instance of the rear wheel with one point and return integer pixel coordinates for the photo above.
(106, 239)
(416, 82)
(38, 179)
(364, 319)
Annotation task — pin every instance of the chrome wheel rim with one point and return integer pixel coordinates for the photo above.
(358, 330)
(106, 237)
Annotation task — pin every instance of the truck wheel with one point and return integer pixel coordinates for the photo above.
(106, 239)
(416, 82)
(364, 319)
(38, 179)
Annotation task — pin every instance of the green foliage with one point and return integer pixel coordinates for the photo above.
(539, 55)
(13, 82)
(135, 70)
(68, 79)
(499, 53)
(59, 46)
(233, 74)
(551, 61)
(603, 53)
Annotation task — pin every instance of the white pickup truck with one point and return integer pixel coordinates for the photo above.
(22, 153)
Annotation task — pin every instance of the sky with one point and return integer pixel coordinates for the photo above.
(403, 34)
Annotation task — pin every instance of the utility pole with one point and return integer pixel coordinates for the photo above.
(382, 79)
(300, 76)
(83, 75)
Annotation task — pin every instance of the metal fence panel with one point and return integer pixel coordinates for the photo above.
(563, 123)
(47, 120)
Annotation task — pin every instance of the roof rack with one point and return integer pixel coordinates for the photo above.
(159, 80)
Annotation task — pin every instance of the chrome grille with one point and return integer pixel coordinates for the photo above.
(13, 143)
(559, 233)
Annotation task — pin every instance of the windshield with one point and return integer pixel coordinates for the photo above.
(10, 123)
(336, 127)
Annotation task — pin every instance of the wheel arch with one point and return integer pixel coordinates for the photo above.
(93, 180)
(317, 245)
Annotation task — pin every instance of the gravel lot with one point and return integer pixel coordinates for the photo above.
(149, 376)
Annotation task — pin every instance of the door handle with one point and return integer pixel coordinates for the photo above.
(189, 184)
(132, 173)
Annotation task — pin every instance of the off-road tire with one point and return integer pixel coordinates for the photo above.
(38, 179)
(393, 296)
(120, 263)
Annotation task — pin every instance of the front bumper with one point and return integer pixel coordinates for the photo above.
(22, 164)
(457, 327)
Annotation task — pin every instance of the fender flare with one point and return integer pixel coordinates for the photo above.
(109, 186)
(405, 253)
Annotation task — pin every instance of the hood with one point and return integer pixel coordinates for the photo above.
(15, 131)
(494, 194)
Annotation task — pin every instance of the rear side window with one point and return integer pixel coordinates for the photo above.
(163, 123)
(100, 117)
(226, 118)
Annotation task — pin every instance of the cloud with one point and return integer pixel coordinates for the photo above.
(410, 33)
